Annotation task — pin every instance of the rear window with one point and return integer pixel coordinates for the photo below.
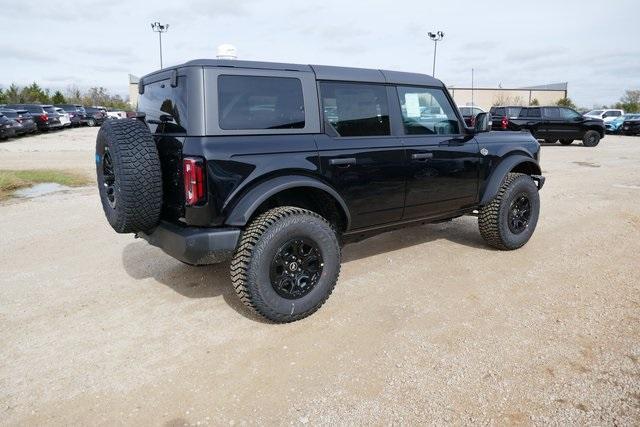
(162, 103)
(11, 114)
(513, 112)
(466, 111)
(50, 109)
(256, 102)
(498, 111)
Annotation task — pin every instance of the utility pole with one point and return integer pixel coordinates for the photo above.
(160, 28)
(472, 103)
(436, 37)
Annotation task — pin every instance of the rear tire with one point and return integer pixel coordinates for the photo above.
(566, 141)
(591, 138)
(278, 281)
(550, 141)
(129, 176)
(509, 220)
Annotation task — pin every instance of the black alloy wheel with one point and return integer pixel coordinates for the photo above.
(296, 268)
(519, 214)
(109, 178)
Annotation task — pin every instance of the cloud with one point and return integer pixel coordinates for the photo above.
(25, 54)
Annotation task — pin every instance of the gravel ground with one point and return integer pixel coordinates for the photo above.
(426, 325)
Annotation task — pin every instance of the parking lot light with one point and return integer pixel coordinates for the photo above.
(160, 28)
(436, 37)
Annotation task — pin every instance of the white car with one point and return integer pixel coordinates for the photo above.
(116, 114)
(604, 114)
(65, 120)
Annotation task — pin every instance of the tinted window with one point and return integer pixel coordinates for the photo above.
(498, 111)
(551, 112)
(50, 110)
(355, 109)
(533, 112)
(160, 99)
(568, 113)
(250, 102)
(427, 111)
(11, 114)
(616, 113)
(513, 112)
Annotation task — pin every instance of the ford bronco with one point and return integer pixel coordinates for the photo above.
(276, 166)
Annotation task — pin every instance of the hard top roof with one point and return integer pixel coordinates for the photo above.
(322, 72)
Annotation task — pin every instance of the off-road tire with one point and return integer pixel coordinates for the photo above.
(259, 243)
(591, 138)
(566, 141)
(138, 180)
(493, 217)
(91, 123)
(550, 141)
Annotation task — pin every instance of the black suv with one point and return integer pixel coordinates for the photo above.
(558, 123)
(275, 166)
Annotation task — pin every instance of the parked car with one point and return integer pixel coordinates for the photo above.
(77, 114)
(469, 113)
(65, 119)
(559, 123)
(23, 119)
(254, 168)
(605, 115)
(500, 116)
(95, 116)
(45, 116)
(6, 127)
(631, 125)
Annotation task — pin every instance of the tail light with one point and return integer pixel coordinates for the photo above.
(193, 171)
(504, 122)
(44, 117)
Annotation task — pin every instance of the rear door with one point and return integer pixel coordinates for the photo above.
(531, 119)
(555, 126)
(443, 162)
(359, 155)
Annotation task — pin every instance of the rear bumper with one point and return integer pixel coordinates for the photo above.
(194, 245)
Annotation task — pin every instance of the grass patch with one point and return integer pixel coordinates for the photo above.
(12, 180)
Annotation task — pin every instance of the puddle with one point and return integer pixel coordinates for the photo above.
(588, 164)
(40, 190)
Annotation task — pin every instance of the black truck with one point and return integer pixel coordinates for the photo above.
(553, 124)
(276, 166)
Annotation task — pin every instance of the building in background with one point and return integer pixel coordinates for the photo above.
(133, 91)
(485, 98)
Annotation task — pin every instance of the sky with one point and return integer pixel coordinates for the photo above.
(592, 45)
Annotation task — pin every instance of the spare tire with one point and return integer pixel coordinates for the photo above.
(129, 175)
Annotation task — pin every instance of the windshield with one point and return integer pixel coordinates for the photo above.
(594, 112)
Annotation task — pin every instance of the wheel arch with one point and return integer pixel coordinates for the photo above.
(514, 163)
(295, 189)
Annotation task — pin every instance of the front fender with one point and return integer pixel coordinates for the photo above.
(247, 205)
(516, 161)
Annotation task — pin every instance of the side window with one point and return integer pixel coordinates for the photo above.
(551, 112)
(427, 111)
(616, 113)
(355, 109)
(254, 102)
(534, 112)
(568, 113)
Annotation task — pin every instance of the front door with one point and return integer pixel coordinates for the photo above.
(443, 162)
(358, 154)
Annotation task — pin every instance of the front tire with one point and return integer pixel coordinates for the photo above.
(287, 264)
(509, 220)
(591, 138)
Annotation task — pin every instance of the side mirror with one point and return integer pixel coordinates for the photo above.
(483, 123)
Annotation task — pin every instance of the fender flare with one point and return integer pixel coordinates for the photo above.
(507, 165)
(249, 202)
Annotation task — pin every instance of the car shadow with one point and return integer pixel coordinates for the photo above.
(575, 144)
(142, 261)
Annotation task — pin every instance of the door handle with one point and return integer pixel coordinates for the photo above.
(422, 156)
(343, 161)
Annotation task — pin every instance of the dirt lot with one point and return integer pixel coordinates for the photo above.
(425, 325)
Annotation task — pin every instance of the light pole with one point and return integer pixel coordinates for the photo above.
(160, 28)
(436, 37)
